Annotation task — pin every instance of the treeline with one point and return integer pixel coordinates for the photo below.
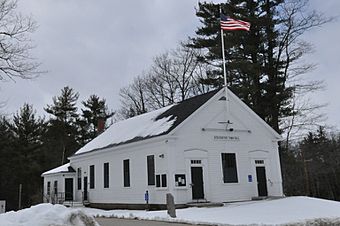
(312, 167)
(31, 144)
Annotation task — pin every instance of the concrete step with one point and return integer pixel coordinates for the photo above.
(257, 198)
(73, 204)
(204, 204)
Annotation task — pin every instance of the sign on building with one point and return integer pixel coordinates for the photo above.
(2, 206)
(226, 138)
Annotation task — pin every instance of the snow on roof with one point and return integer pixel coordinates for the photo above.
(61, 169)
(141, 126)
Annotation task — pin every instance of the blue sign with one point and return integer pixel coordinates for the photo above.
(250, 178)
(146, 196)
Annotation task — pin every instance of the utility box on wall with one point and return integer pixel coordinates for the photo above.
(2, 206)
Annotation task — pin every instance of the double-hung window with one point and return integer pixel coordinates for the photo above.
(126, 172)
(106, 175)
(92, 179)
(229, 168)
(150, 160)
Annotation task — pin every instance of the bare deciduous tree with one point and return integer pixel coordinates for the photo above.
(173, 77)
(15, 43)
(296, 21)
(133, 98)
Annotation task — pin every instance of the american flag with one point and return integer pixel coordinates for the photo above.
(230, 24)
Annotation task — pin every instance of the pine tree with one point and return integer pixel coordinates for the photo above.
(8, 169)
(64, 106)
(63, 128)
(28, 130)
(95, 109)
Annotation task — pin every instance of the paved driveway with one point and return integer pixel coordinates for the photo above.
(128, 222)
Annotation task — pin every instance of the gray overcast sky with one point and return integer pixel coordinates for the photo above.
(97, 47)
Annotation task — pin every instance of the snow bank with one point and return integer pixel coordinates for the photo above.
(139, 126)
(297, 211)
(287, 211)
(47, 215)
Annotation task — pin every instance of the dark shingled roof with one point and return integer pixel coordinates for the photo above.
(180, 112)
(184, 109)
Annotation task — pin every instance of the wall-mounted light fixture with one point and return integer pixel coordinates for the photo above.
(161, 156)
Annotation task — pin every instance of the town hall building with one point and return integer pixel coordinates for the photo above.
(207, 148)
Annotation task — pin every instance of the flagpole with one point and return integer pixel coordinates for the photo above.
(223, 55)
(224, 71)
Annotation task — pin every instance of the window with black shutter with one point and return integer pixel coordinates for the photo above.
(151, 169)
(79, 178)
(55, 187)
(164, 182)
(48, 187)
(161, 181)
(126, 172)
(106, 175)
(229, 168)
(158, 181)
(92, 179)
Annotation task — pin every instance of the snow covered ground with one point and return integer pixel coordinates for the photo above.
(287, 211)
(302, 210)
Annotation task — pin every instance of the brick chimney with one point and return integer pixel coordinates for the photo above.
(100, 125)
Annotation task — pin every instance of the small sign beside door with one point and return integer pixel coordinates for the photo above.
(180, 180)
(250, 178)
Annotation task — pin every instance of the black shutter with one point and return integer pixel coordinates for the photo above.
(92, 176)
(106, 175)
(229, 168)
(151, 169)
(126, 170)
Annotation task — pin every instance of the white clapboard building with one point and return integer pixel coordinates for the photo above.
(204, 149)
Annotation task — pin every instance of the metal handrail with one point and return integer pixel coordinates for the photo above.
(83, 197)
(60, 198)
